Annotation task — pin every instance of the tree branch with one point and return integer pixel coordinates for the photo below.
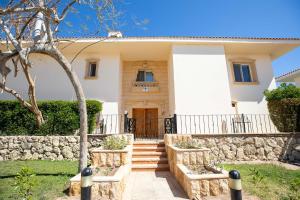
(13, 40)
(16, 95)
(21, 10)
(26, 24)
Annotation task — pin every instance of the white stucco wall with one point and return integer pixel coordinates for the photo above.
(171, 85)
(250, 98)
(52, 83)
(201, 84)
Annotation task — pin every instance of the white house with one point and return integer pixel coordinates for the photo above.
(290, 77)
(156, 77)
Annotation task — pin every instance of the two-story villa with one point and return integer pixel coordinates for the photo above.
(156, 77)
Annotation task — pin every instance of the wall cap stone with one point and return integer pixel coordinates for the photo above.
(297, 135)
(116, 177)
(189, 150)
(101, 150)
(186, 171)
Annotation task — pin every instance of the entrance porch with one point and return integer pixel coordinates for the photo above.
(145, 97)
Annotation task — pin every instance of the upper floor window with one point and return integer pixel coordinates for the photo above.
(144, 76)
(91, 70)
(244, 72)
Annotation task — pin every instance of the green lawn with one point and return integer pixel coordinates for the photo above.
(51, 177)
(269, 182)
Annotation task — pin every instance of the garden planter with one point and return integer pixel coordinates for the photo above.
(201, 185)
(211, 182)
(187, 157)
(110, 187)
(111, 158)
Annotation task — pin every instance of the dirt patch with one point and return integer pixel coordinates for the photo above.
(201, 169)
(104, 171)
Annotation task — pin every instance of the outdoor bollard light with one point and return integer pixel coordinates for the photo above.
(235, 185)
(86, 183)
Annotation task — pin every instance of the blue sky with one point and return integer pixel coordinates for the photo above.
(257, 18)
(246, 18)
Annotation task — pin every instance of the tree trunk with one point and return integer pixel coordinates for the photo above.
(39, 120)
(59, 57)
(65, 64)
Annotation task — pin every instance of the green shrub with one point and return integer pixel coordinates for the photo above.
(285, 114)
(284, 91)
(284, 107)
(114, 143)
(189, 144)
(24, 184)
(61, 118)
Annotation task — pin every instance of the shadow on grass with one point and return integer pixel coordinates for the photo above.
(40, 174)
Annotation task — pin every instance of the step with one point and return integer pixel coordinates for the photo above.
(148, 143)
(145, 160)
(150, 167)
(148, 154)
(149, 148)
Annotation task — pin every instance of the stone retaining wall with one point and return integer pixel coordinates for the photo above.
(245, 147)
(199, 186)
(186, 157)
(104, 187)
(47, 147)
(111, 158)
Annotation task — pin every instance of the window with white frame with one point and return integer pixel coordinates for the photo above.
(244, 72)
(145, 76)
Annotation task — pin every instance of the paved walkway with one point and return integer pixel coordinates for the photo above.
(153, 186)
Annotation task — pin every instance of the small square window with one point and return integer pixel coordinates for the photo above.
(243, 72)
(91, 71)
(144, 76)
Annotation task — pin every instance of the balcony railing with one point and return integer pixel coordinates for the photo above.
(145, 84)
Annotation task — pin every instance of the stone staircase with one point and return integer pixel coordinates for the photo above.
(149, 156)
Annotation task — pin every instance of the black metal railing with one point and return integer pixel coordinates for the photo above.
(170, 124)
(149, 128)
(109, 124)
(190, 124)
(227, 123)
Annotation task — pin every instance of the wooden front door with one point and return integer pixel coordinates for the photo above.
(146, 122)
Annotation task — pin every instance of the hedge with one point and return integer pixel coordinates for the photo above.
(61, 118)
(284, 107)
(285, 114)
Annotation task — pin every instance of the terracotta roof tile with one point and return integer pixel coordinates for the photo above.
(288, 74)
(184, 37)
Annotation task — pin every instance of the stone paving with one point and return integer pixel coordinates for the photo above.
(156, 186)
(153, 186)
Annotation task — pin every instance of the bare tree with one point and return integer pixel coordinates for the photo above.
(31, 27)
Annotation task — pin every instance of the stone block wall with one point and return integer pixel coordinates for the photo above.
(104, 187)
(245, 147)
(47, 147)
(187, 157)
(111, 158)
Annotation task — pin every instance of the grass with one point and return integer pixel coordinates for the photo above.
(51, 177)
(269, 182)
